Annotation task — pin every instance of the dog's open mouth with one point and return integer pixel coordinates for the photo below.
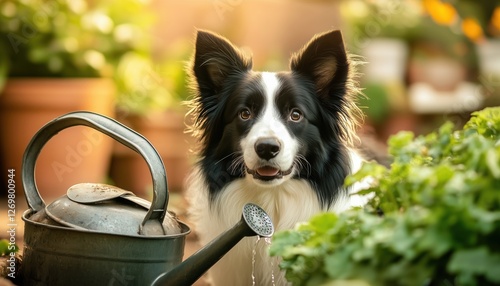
(268, 173)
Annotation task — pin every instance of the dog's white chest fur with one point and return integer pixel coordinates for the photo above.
(287, 204)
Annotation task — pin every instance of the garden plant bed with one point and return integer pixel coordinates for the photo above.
(434, 220)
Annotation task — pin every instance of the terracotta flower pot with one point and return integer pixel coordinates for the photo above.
(165, 130)
(78, 154)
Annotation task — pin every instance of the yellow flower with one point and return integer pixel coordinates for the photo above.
(441, 13)
(495, 21)
(472, 29)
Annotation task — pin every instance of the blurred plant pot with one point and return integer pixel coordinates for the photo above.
(442, 73)
(489, 56)
(165, 130)
(386, 67)
(386, 59)
(75, 155)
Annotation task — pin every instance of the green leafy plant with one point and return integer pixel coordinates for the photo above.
(78, 38)
(71, 38)
(381, 18)
(434, 220)
(153, 86)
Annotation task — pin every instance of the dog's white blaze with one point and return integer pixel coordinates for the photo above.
(270, 124)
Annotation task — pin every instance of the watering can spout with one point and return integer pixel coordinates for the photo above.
(254, 221)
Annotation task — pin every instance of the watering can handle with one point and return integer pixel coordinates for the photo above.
(117, 131)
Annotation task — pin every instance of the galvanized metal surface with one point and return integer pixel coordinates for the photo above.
(117, 131)
(88, 193)
(55, 255)
(132, 248)
(106, 208)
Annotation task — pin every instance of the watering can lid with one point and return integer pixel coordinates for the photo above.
(106, 208)
(86, 193)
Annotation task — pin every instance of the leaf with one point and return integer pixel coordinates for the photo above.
(368, 169)
(6, 248)
(336, 266)
(284, 240)
(476, 261)
(485, 122)
(493, 162)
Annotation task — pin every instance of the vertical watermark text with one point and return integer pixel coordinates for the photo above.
(11, 223)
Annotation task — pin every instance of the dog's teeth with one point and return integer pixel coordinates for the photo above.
(267, 171)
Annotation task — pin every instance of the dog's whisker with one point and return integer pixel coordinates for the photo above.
(302, 163)
(225, 157)
(237, 163)
(234, 164)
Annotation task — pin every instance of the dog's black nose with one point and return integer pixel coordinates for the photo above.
(267, 148)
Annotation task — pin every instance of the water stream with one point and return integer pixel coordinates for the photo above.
(268, 242)
(254, 254)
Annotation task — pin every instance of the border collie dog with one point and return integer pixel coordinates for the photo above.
(280, 140)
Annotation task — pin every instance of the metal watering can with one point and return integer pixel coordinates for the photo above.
(102, 235)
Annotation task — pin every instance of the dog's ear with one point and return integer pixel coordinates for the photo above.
(324, 61)
(215, 59)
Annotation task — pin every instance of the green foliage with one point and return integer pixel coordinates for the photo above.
(440, 225)
(152, 86)
(383, 18)
(6, 248)
(79, 38)
(375, 103)
(65, 38)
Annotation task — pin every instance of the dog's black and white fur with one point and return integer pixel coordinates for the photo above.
(280, 140)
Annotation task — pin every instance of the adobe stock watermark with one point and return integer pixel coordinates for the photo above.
(75, 155)
(11, 224)
(29, 28)
(145, 82)
(121, 277)
(221, 7)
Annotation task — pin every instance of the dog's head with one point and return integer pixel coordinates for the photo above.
(271, 127)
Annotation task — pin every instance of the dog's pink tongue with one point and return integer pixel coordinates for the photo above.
(267, 171)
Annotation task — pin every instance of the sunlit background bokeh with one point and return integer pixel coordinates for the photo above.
(423, 57)
(421, 62)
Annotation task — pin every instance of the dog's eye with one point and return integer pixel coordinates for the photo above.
(245, 114)
(296, 115)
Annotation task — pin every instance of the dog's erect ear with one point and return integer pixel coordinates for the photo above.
(215, 59)
(324, 61)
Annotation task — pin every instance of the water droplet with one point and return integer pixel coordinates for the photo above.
(268, 242)
(254, 253)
